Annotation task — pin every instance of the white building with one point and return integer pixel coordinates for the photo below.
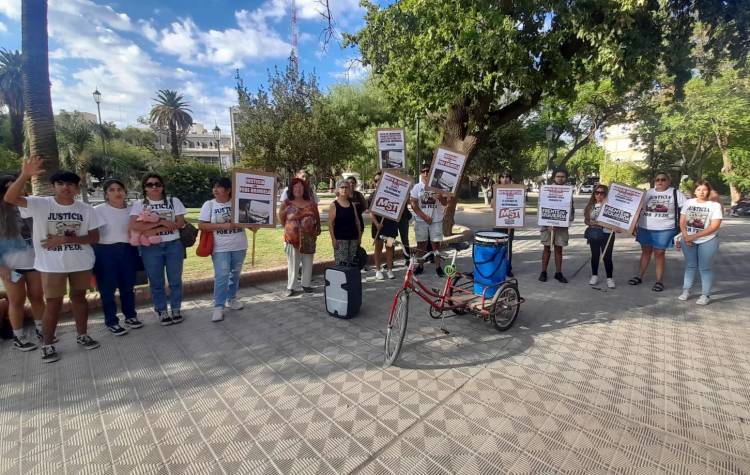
(618, 144)
(200, 144)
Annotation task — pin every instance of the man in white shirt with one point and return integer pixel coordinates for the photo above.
(429, 210)
(64, 230)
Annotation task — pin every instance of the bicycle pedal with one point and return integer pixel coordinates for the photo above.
(446, 332)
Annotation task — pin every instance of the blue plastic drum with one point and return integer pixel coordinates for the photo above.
(490, 254)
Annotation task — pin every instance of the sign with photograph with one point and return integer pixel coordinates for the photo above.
(554, 205)
(391, 145)
(622, 208)
(254, 198)
(446, 170)
(509, 203)
(391, 196)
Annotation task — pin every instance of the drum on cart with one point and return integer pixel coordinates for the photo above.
(490, 255)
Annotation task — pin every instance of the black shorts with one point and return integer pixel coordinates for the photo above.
(390, 229)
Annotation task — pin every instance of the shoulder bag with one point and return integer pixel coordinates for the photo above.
(189, 233)
(206, 241)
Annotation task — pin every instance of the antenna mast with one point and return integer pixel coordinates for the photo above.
(294, 30)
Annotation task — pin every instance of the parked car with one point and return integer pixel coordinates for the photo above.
(742, 208)
(586, 189)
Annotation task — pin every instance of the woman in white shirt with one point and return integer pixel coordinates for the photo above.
(116, 259)
(699, 221)
(230, 247)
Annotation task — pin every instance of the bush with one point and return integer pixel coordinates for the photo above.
(627, 173)
(189, 180)
(10, 162)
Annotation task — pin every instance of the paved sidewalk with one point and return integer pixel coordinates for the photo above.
(587, 381)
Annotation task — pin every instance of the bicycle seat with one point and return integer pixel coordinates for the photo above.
(459, 246)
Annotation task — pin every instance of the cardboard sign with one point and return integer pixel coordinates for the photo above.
(554, 205)
(445, 172)
(391, 196)
(509, 203)
(391, 145)
(621, 209)
(254, 198)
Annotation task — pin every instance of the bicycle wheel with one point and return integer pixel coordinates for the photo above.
(506, 308)
(394, 336)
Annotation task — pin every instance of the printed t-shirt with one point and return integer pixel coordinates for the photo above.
(595, 210)
(225, 240)
(18, 252)
(53, 219)
(658, 212)
(698, 217)
(114, 223)
(428, 203)
(165, 209)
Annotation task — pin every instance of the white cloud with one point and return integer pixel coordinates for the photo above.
(11, 9)
(352, 70)
(3, 28)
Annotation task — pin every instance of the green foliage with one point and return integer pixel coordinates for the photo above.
(513, 146)
(11, 95)
(171, 114)
(587, 161)
(74, 135)
(740, 175)
(189, 180)
(10, 161)
(123, 160)
(628, 173)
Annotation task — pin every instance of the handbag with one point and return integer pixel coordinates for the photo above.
(594, 234)
(206, 241)
(361, 258)
(189, 233)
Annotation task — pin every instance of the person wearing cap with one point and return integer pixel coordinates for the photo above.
(64, 230)
(429, 210)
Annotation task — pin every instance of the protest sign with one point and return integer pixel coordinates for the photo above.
(554, 205)
(391, 196)
(509, 203)
(254, 198)
(391, 145)
(446, 170)
(621, 209)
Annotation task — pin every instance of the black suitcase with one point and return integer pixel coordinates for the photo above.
(343, 291)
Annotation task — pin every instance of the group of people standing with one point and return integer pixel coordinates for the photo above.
(668, 219)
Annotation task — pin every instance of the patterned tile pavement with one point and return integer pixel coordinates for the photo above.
(587, 381)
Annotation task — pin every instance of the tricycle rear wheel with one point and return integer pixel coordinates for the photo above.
(505, 309)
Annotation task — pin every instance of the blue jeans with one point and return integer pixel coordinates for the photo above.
(699, 256)
(227, 268)
(156, 258)
(115, 268)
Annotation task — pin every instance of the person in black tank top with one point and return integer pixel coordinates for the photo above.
(343, 224)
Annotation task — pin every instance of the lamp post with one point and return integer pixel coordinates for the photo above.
(98, 99)
(418, 163)
(217, 136)
(550, 134)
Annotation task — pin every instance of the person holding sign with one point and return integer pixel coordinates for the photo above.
(507, 179)
(658, 225)
(382, 227)
(429, 210)
(230, 247)
(301, 220)
(560, 236)
(600, 239)
(699, 221)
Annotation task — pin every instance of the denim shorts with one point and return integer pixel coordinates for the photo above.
(656, 239)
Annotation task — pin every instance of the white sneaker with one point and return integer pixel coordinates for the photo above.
(378, 275)
(218, 315)
(235, 304)
(390, 274)
(684, 295)
(611, 283)
(593, 280)
(703, 300)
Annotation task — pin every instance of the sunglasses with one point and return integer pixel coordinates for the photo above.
(600, 192)
(153, 184)
(661, 179)
(507, 176)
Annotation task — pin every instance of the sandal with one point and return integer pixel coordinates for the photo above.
(635, 281)
(658, 287)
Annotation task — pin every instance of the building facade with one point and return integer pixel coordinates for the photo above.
(200, 144)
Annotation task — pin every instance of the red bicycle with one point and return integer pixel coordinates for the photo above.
(457, 295)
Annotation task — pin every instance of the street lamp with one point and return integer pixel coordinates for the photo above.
(550, 134)
(217, 136)
(98, 99)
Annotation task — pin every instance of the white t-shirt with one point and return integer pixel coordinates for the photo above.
(114, 223)
(53, 219)
(164, 209)
(698, 217)
(658, 213)
(428, 203)
(225, 240)
(595, 210)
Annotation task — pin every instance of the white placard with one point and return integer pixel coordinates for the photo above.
(622, 208)
(391, 145)
(446, 170)
(554, 205)
(254, 198)
(509, 203)
(391, 196)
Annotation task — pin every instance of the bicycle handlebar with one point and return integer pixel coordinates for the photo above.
(421, 259)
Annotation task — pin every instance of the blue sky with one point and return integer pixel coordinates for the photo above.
(129, 49)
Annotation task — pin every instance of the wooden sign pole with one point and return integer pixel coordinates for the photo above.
(252, 255)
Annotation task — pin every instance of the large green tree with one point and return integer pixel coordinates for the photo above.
(11, 94)
(74, 137)
(484, 63)
(40, 122)
(171, 114)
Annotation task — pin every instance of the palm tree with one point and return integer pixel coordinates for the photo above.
(11, 94)
(171, 113)
(74, 134)
(40, 122)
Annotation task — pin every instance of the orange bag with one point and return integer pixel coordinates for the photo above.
(205, 244)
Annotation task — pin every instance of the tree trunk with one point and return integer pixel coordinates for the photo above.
(40, 122)
(486, 190)
(173, 139)
(723, 142)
